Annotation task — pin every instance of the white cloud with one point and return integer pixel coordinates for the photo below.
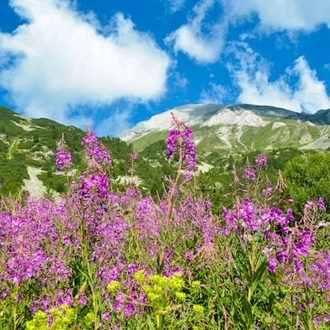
(176, 5)
(197, 39)
(60, 59)
(114, 124)
(179, 81)
(252, 75)
(214, 94)
(204, 42)
(280, 15)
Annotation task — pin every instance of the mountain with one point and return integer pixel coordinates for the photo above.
(223, 134)
(235, 128)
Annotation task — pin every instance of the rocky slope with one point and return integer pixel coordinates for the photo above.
(239, 127)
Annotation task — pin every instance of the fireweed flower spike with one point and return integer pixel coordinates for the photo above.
(180, 140)
(134, 155)
(249, 174)
(261, 161)
(63, 156)
(95, 150)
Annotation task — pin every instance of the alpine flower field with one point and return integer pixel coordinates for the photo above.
(100, 259)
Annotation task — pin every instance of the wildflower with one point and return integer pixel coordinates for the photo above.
(139, 276)
(180, 296)
(282, 256)
(261, 161)
(198, 309)
(95, 150)
(267, 191)
(321, 205)
(134, 155)
(105, 317)
(195, 285)
(249, 174)
(316, 320)
(97, 182)
(299, 266)
(309, 205)
(63, 156)
(82, 300)
(129, 309)
(272, 265)
(113, 286)
(131, 269)
(181, 137)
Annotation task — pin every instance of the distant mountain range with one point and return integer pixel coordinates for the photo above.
(238, 127)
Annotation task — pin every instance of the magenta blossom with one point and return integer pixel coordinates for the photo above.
(95, 150)
(261, 161)
(63, 156)
(181, 137)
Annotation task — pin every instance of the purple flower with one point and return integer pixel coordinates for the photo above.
(119, 303)
(261, 161)
(131, 269)
(321, 205)
(63, 159)
(272, 265)
(299, 266)
(134, 155)
(267, 191)
(82, 300)
(301, 249)
(129, 310)
(181, 137)
(113, 274)
(309, 205)
(316, 320)
(249, 174)
(96, 183)
(105, 317)
(282, 256)
(94, 150)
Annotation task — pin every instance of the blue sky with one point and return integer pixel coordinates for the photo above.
(114, 63)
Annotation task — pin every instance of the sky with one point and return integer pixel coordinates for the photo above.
(112, 63)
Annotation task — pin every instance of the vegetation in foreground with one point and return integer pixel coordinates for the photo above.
(99, 259)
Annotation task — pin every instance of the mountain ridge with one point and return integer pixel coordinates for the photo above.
(225, 123)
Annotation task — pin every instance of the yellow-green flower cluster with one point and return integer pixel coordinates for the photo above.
(89, 318)
(39, 322)
(139, 276)
(198, 310)
(113, 287)
(62, 317)
(161, 289)
(195, 285)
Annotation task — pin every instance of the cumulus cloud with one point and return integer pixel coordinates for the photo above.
(214, 94)
(289, 15)
(204, 42)
(252, 76)
(60, 59)
(200, 41)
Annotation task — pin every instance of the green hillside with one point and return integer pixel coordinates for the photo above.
(28, 146)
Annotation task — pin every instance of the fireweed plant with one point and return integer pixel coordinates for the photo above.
(98, 259)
